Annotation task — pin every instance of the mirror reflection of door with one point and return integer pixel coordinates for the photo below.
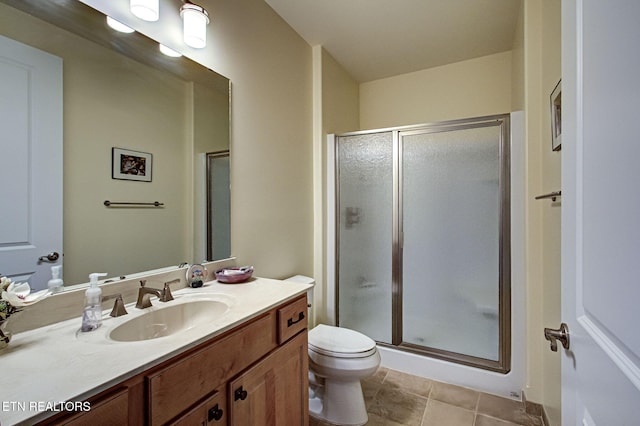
(218, 205)
(31, 153)
(120, 94)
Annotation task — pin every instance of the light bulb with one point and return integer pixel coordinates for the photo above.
(169, 52)
(118, 26)
(148, 10)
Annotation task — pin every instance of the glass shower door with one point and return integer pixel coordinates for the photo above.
(451, 210)
(423, 239)
(364, 233)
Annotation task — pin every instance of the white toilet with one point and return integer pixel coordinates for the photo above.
(338, 359)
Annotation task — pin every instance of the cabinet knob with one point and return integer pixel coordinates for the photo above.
(215, 413)
(240, 394)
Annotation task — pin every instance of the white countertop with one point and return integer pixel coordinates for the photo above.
(57, 363)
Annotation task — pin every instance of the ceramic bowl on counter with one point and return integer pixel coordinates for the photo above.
(234, 275)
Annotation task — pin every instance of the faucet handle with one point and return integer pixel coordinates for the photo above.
(166, 291)
(118, 306)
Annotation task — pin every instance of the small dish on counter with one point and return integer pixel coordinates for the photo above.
(234, 275)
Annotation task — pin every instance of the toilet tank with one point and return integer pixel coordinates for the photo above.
(307, 280)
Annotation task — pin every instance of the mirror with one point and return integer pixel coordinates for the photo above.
(119, 91)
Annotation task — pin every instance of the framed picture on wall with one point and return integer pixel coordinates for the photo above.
(556, 117)
(131, 165)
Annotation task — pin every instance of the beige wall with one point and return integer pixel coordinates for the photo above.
(272, 197)
(517, 64)
(533, 264)
(472, 88)
(339, 113)
(542, 72)
(210, 119)
(550, 162)
(340, 98)
(271, 135)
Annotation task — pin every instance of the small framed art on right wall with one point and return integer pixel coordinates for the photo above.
(556, 117)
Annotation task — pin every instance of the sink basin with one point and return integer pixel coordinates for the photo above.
(175, 317)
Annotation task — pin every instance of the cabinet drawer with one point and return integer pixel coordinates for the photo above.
(175, 388)
(212, 411)
(292, 319)
(110, 410)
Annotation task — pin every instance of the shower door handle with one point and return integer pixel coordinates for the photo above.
(561, 334)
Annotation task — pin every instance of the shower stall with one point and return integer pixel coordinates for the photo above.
(422, 234)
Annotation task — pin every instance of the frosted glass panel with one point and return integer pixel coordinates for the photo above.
(365, 187)
(219, 208)
(451, 225)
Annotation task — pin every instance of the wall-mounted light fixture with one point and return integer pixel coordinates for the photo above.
(195, 20)
(118, 26)
(148, 10)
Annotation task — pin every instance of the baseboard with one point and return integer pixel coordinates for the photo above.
(535, 409)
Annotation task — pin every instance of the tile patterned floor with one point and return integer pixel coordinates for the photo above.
(394, 398)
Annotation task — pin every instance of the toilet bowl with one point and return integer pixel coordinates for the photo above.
(338, 359)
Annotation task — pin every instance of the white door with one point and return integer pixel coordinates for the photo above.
(30, 162)
(601, 211)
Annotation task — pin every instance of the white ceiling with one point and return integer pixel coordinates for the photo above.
(375, 39)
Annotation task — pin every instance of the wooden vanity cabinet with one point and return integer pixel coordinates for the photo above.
(254, 374)
(175, 386)
(262, 366)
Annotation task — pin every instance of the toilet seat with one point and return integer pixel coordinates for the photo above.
(340, 342)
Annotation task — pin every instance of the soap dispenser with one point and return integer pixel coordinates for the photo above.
(92, 312)
(55, 283)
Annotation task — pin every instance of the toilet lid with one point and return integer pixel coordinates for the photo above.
(340, 342)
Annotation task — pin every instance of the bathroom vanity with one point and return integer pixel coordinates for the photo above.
(249, 365)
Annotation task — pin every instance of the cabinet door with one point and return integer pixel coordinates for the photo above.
(274, 391)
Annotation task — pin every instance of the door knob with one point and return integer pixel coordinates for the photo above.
(51, 257)
(561, 334)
